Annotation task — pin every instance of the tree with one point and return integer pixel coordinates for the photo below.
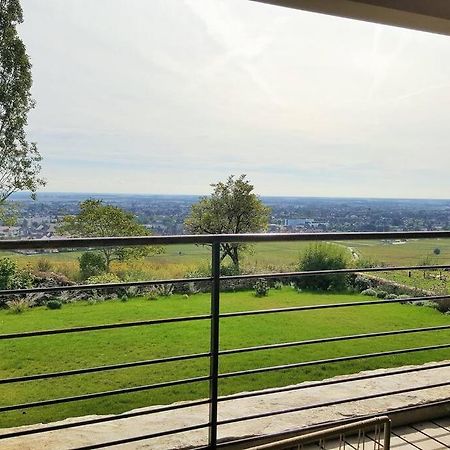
(19, 159)
(96, 219)
(232, 208)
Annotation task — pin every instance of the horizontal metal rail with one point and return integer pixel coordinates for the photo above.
(92, 395)
(110, 326)
(143, 437)
(331, 382)
(431, 298)
(331, 360)
(146, 283)
(148, 362)
(99, 286)
(103, 419)
(306, 273)
(333, 403)
(336, 432)
(11, 244)
(332, 339)
(329, 423)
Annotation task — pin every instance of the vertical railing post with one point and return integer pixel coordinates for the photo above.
(214, 346)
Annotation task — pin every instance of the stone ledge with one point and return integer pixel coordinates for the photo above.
(121, 429)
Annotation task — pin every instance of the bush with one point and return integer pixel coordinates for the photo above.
(278, 285)
(391, 297)
(369, 292)
(382, 294)
(323, 256)
(92, 264)
(361, 283)
(261, 288)
(165, 290)
(103, 279)
(54, 304)
(11, 277)
(124, 298)
(443, 306)
(44, 265)
(152, 294)
(437, 251)
(18, 306)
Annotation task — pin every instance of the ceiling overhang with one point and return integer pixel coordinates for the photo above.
(425, 15)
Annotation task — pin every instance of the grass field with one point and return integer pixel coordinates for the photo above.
(64, 352)
(176, 261)
(412, 251)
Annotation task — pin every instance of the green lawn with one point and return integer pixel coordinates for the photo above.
(64, 352)
(412, 251)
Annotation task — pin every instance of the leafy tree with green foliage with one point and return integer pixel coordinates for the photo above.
(19, 159)
(232, 208)
(92, 264)
(324, 256)
(97, 219)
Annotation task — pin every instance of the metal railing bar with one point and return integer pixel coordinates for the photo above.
(431, 298)
(330, 423)
(102, 327)
(333, 402)
(331, 360)
(149, 362)
(17, 244)
(305, 273)
(308, 385)
(92, 287)
(104, 394)
(82, 423)
(332, 339)
(143, 437)
(341, 430)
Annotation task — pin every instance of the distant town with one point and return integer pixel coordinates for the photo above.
(165, 215)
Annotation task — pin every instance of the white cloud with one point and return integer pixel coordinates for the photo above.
(169, 95)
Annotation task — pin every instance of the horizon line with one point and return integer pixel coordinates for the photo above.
(202, 195)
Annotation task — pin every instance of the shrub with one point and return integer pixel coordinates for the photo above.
(11, 277)
(369, 292)
(391, 297)
(54, 304)
(278, 285)
(323, 256)
(443, 306)
(20, 305)
(103, 279)
(437, 251)
(361, 283)
(124, 298)
(152, 294)
(382, 294)
(261, 288)
(92, 264)
(44, 265)
(165, 290)
(229, 270)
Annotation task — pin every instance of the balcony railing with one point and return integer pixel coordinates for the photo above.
(214, 317)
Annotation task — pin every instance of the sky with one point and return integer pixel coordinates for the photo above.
(169, 96)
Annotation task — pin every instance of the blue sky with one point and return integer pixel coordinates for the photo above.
(168, 96)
